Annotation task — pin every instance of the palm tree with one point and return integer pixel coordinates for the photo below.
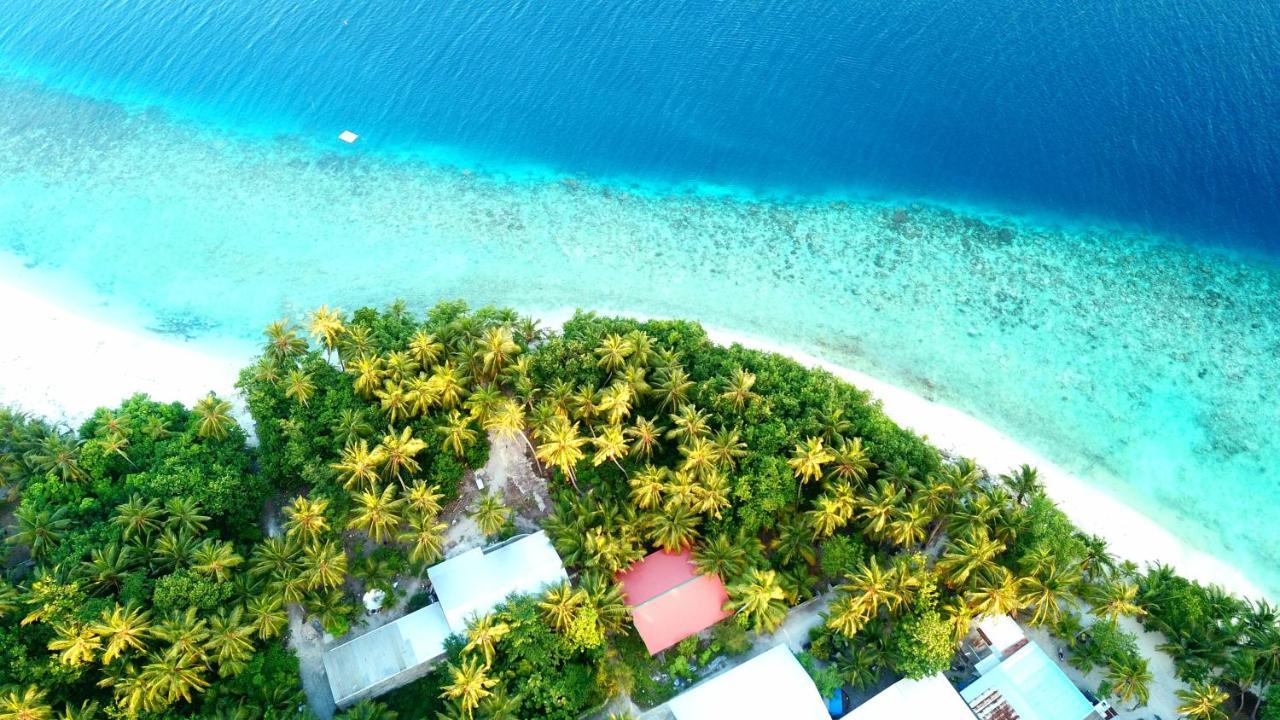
(368, 372)
(59, 454)
(484, 402)
(350, 427)
(184, 516)
(721, 556)
(425, 537)
(646, 436)
(847, 616)
(469, 684)
(728, 447)
(397, 402)
(305, 519)
(490, 514)
(699, 457)
(377, 513)
(559, 605)
(615, 402)
(1046, 590)
(267, 616)
(967, 556)
(40, 530)
(711, 496)
(673, 388)
(425, 348)
(738, 389)
(299, 386)
(400, 366)
(400, 451)
(1130, 679)
(881, 506)
(229, 642)
(759, 599)
(216, 559)
(1202, 701)
(325, 565)
(872, 587)
(327, 326)
(175, 550)
(496, 348)
(604, 596)
(76, 645)
(997, 592)
(450, 383)
(674, 529)
(172, 676)
(137, 517)
(29, 705)
(794, 541)
(908, 527)
(456, 434)
(358, 466)
(808, 458)
(559, 444)
(283, 342)
(1116, 599)
(1023, 482)
(423, 499)
(689, 424)
(508, 421)
(274, 557)
(850, 461)
(648, 486)
(213, 417)
(826, 517)
(613, 352)
(484, 634)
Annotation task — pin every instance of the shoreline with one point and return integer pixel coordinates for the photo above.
(51, 381)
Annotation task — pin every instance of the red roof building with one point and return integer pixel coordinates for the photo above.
(670, 601)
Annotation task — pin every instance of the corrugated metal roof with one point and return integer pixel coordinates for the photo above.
(1031, 685)
(769, 686)
(372, 662)
(932, 698)
(670, 601)
(473, 583)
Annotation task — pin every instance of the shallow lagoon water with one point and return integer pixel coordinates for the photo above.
(1148, 366)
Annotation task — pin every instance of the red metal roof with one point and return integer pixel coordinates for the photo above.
(669, 599)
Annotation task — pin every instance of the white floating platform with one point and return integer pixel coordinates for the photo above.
(348, 137)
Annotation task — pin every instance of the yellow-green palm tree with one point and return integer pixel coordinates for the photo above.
(423, 499)
(40, 530)
(216, 559)
(647, 487)
(368, 372)
(559, 444)
(229, 641)
(825, 518)
(872, 587)
(613, 352)
(760, 599)
(699, 457)
(456, 434)
(497, 347)
(299, 386)
(490, 514)
(267, 616)
(1117, 599)
(395, 400)
(847, 616)
(125, 628)
(723, 556)
(908, 527)
(559, 605)
(673, 387)
(425, 537)
(508, 421)
(1202, 701)
(325, 565)
(646, 437)
(880, 507)
(674, 529)
(484, 634)
(425, 348)
(615, 402)
(377, 513)
(611, 444)
(469, 684)
(711, 496)
(1130, 680)
(172, 676)
(326, 325)
(996, 592)
(850, 461)
(400, 366)
(358, 466)
(808, 459)
(689, 423)
(450, 383)
(1046, 590)
(213, 417)
(76, 645)
(400, 451)
(283, 342)
(29, 704)
(137, 517)
(737, 390)
(965, 557)
(305, 518)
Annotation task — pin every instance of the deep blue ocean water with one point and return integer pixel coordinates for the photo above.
(1163, 115)
(1060, 217)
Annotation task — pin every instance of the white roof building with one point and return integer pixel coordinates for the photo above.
(769, 686)
(932, 698)
(467, 585)
(473, 583)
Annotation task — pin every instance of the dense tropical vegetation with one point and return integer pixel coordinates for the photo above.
(157, 561)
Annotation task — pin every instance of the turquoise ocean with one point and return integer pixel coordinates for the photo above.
(1059, 219)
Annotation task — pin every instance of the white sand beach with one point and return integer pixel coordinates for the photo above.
(63, 364)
